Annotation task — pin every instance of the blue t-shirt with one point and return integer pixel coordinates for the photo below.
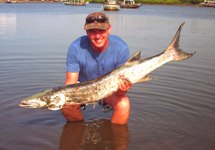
(90, 65)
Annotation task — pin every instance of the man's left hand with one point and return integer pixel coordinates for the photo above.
(124, 85)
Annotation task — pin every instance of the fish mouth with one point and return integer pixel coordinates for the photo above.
(29, 105)
(32, 104)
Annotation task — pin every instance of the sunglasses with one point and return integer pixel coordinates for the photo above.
(99, 19)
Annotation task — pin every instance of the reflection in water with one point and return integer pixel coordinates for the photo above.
(100, 134)
(7, 25)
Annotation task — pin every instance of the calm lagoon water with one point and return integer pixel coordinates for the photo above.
(175, 110)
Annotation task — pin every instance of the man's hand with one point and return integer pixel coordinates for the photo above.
(124, 85)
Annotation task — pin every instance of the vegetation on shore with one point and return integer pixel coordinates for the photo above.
(159, 1)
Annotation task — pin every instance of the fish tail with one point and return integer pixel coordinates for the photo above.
(175, 49)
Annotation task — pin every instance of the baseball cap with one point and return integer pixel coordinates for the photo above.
(97, 20)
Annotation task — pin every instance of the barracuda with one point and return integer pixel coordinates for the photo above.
(134, 70)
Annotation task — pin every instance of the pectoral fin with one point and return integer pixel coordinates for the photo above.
(146, 78)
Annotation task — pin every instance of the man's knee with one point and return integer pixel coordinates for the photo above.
(72, 112)
(121, 111)
(123, 104)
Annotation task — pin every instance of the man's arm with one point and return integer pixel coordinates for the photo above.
(71, 77)
(72, 112)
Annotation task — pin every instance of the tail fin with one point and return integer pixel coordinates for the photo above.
(174, 46)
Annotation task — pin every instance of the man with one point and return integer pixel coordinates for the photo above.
(92, 56)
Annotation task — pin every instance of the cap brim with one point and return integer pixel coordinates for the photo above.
(96, 25)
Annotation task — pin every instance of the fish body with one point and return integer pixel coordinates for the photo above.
(135, 70)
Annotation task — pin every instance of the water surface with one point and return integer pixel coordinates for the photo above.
(173, 111)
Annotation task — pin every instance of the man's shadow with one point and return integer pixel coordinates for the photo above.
(93, 135)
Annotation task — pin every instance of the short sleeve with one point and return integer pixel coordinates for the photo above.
(72, 61)
(123, 57)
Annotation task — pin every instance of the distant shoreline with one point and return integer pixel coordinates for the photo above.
(29, 1)
(54, 1)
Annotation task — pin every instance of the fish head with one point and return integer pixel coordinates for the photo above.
(57, 100)
(33, 103)
(46, 99)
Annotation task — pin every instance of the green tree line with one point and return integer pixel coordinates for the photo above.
(137, 1)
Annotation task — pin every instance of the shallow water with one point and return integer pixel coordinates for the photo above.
(175, 110)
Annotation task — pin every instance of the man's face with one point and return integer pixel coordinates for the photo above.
(98, 38)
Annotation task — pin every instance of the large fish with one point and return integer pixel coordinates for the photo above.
(135, 70)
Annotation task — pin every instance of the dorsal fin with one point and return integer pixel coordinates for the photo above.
(135, 57)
